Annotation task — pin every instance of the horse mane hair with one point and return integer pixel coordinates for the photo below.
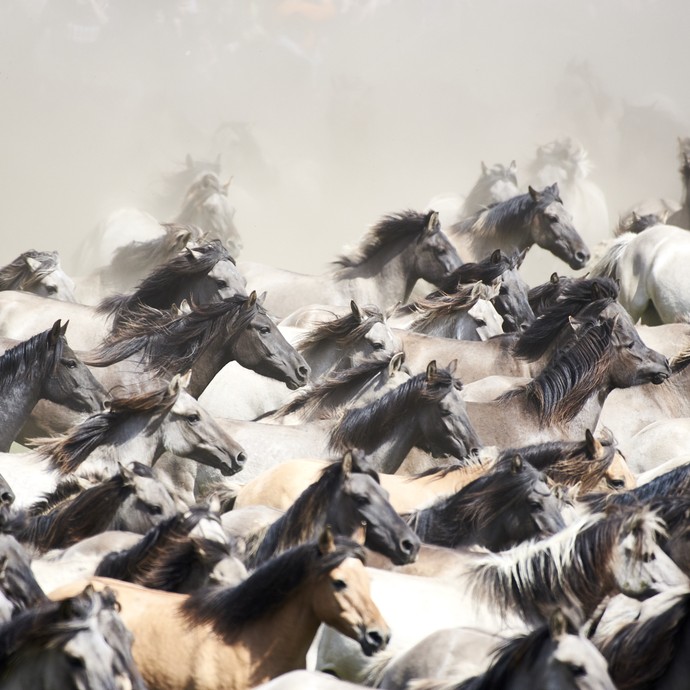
(589, 296)
(607, 266)
(485, 271)
(128, 564)
(453, 520)
(571, 567)
(22, 359)
(306, 517)
(339, 383)
(640, 653)
(681, 360)
(521, 207)
(67, 452)
(567, 462)
(545, 295)
(441, 305)
(364, 427)
(565, 384)
(19, 585)
(171, 567)
(229, 609)
(170, 343)
(18, 275)
(154, 290)
(405, 225)
(636, 224)
(345, 330)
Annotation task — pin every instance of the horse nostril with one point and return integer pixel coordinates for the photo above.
(303, 372)
(582, 257)
(374, 638)
(7, 497)
(406, 546)
(241, 459)
(524, 326)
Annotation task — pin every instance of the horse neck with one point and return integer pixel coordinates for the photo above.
(476, 244)
(389, 454)
(209, 362)
(279, 643)
(18, 399)
(385, 278)
(323, 357)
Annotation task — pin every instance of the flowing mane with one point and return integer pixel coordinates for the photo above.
(19, 585)
(390, 229)
(154, 290)
(573, 566)
(345, 330)
(229, 609)
(340, 384)
(19, 275)
(359, 427)
(69, 451)
(171, 344)
(306, 516)
(589, 296)
(32, 358)
(485, 271)
(564, 385)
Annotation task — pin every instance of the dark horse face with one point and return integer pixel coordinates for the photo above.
(552, 228)
(435, 257)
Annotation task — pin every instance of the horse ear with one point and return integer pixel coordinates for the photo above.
(431, 370)
(127, 475)
(555, 190)
(262, 298)
(516, 464)
(251, 300)
(182, 238)
(554, 278)
(356, 311)
(521, 257)
(326, 541)
(179, 382)
(347, 463)
(593, 446)
(575, 323)
(452, 366)
(558, 625)
(396, 362)
(433, 223)
(33, 264)
(512, 167)
(226, 185)
(360, 534)
(54, 333)
(63, 330)
(635, 217)
(496, 256)
(533, 193)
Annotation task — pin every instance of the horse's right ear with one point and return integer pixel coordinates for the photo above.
(251, 300)
(496, 256)
(516, 464)
(558, 625)
(432, 223)
(326, 541)
(533, 193)
(431, 370)
(54, 332)
(182, 238)
(554, 278)
(452, 366)
(593, 446)
(356, 311)
(33, 264)
(512, 167)
(127, 475)
(396, 363)
(347, 463)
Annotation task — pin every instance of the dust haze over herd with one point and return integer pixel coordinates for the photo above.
(326, 114)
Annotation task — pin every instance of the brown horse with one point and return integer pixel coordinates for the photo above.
(237, 638)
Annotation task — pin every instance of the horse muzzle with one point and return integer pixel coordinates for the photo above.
(373, 640)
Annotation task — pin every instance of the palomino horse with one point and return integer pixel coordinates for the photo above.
(392, 257)
(566, 398)
(43, 367)
(590, 465)
(508, 505)
(495, 184)
(651, 270)
(517, 224)
(76, 644)
(204, 340)
(346, 495)
(337, 342)
(142, 426)
(236, 638)
(39, 273)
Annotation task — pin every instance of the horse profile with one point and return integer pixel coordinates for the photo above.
(39, 273)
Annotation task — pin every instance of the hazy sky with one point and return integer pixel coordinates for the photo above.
(327, 114)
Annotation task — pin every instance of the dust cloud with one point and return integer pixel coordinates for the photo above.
(327, 114)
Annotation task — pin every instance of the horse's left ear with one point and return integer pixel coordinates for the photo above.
(521, 257)
(516, 464)
(452, 367)
(326, 541)
(496, 256)
(127, 475)
(432, 223)
(251, 300)
(555, 190)
(533, 193)
(512, 167)
(262, 298)
(33, 264)
(396, 362)
(356, 311)
(593, 446)
(347, 463)
(360, 534)
(64, 327)
(558, 625)
(54, 333)
(179, 382)
(431, 370)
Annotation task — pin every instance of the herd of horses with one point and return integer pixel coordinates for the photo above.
(434, 465)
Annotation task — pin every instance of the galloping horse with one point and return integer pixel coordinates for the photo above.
(392, 257)
(39, 273)
(236, 638)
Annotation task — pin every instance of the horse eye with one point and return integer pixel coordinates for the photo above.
(377, 346)
(616, 483)
(69, 363)
(221, 284)
(361, 499)
(339, 585)
(535, 505)
(51, 289)
(265, 330)
(75, 662)
(155, 510)
(193, 418)
(577, 669)
(630, 346)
